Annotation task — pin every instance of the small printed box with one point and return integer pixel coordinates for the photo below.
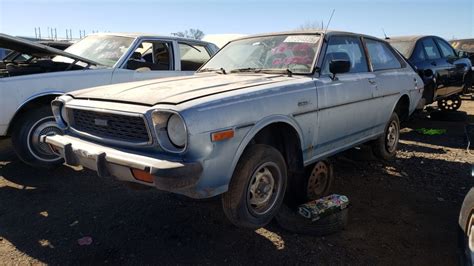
(322, 207)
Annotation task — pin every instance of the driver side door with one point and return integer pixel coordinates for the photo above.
(346, 114)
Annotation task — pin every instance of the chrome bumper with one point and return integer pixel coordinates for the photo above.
(167, 175)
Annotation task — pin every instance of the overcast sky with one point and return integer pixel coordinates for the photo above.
(447, 18)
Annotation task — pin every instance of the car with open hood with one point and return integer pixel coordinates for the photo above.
(247, 123)
(34, 74)
(446, 74)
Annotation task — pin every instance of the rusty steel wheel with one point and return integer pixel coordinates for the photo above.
(319, 181)
(452, 103)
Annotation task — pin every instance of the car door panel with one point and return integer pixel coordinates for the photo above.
(345, 111)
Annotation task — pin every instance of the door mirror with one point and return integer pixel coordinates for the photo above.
(428, 73)
(338, 66)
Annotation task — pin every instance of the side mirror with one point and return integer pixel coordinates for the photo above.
(428, 73)
(338, 66)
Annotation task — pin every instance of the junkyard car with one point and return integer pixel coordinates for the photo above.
(28, 86)
(247, 123)
(446, 74)
(466, 48)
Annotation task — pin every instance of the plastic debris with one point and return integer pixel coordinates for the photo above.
(84, 241)
(431, 131)
(322, 207)
(74, 223)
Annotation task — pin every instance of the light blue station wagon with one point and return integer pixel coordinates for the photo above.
(247, 123)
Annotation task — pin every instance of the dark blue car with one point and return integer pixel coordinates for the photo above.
(446, 73)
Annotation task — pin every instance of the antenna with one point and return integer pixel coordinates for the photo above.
(329, 22)
(384, 34)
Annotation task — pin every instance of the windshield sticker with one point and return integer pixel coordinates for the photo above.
(302, 39)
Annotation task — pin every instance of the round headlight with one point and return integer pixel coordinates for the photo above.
(176, 131)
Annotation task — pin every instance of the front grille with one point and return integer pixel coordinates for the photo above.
(111, 126)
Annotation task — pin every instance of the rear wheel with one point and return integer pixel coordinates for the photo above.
(26, 138)
(451, 103)
(385, 147)
(257, 188)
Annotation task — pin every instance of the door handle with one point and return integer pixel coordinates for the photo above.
(372, 81)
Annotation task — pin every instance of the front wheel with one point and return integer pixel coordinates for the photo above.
(385, 147)
(257, 188)
(26, 138)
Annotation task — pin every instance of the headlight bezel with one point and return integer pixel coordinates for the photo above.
(59, 112)
(160, 120)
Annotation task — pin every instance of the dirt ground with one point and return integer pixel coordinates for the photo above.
(402, 212)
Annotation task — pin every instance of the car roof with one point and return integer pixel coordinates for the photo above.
(320, 32)
(136, 35)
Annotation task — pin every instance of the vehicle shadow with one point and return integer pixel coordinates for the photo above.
(44, 212)
(454, 137)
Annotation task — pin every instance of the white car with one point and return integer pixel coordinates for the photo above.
(30, 82)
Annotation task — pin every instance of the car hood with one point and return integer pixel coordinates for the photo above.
(176, 90)
(36, 49)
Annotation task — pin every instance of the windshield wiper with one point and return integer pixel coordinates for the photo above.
(246, 69)
(216, 70)
(264, 70)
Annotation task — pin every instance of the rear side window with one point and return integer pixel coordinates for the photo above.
(345, 48)
(381, 56)
(430, 49)
(419, 53)
(192, 56)
(445, 48)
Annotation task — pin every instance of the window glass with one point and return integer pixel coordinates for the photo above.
(381, 56)
(104, 49)
(294, 52)
(345, 48)
(419, 54)
(445, 48)
(151, 55)
(403, 47)
(192, 56)
(431, 49)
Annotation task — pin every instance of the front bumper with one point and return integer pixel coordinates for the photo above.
(168, 175)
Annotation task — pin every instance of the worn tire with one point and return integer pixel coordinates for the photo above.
(26, 144)
(236, 202)
(381, 146)
(291, 221)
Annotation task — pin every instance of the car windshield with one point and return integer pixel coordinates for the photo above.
(105, 50)
(467, 46)
(403, 47)
(289, 52)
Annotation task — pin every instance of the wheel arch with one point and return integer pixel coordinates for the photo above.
(402, 107)
(33, 101)
(286, 127)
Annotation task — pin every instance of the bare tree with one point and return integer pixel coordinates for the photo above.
(191, 33)
(311, 25)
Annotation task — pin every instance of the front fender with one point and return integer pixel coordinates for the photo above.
(257, 128)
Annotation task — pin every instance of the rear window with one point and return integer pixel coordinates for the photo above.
(381, 56)
(430, 49)
(403, 47)
(192, 56)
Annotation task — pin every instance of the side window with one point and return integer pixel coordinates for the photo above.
(151, 55)
(445, 48)
(192, 56)
(381, 56)
(419, 53)
(430, 49)
(345, 48)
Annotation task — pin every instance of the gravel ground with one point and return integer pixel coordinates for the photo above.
(403, 212)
